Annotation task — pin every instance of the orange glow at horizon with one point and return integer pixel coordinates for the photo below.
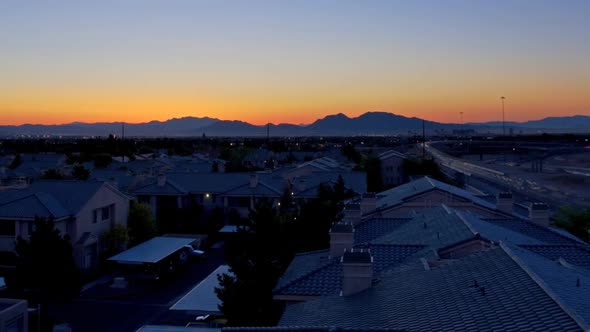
(257, 110)
(268, 61)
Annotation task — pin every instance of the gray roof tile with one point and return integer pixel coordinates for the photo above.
(48, 199)
(326, 277)
(578, 255)
(442, 299)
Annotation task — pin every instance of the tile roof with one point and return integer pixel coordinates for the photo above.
(209, 182)
(73, 195)
(55, 199)
(325, 278)
(261, 189)
(443, 299)
(391, 153)
(497, 232)
(302, 264)
(33, 205)
(399, 194)
(569, 286)
(169, 188)
(532, 230)
(356, 181)
(434, 227)
(578, 255)
(371, 229)
(301, 329)
(323, 163)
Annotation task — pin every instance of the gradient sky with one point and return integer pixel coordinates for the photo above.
(292, 61)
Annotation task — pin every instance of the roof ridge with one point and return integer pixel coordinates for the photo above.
(577, 245)
(544, 286)
(268, 186)
(466, 222)
(369, 244)
(175, 185)
(310, 252)
(18, 198)
(429, 180)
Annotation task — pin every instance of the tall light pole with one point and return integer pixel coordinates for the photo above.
(461, 124)
(503, 117)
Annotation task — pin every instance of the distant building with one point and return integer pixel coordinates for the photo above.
(392, 168)
(240, 191)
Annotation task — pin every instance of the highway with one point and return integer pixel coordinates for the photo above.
(490, 180)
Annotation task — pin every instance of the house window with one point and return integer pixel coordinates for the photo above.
(7, 228)
(95, 216)
(106, 213)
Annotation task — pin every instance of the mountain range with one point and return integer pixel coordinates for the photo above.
(371, 123)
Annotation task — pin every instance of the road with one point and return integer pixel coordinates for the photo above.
(101, 309)
(523, 187)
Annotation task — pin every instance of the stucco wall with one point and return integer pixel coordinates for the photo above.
(105, 196)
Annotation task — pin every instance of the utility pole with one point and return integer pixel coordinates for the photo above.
(423, 140)
(123, 137)
(268, 135)
(503, 117)
(461, 124)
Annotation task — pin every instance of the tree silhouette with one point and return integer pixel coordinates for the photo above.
(575, 221)
(53, 174)
(45, 271)
(80, 172)
(141, 223)
(257, 257)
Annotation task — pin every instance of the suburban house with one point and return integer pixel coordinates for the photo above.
(83, 210)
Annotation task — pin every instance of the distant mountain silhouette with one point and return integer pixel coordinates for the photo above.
(562, 122)
(371, 123)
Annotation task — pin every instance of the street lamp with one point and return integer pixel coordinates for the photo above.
(503, 118)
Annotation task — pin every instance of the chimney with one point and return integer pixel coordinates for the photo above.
(504, 202)
(352, 213)
(161, 180)
(253, 180)
(368, 203)
(539, 214)
(341, 239)
(357, 271)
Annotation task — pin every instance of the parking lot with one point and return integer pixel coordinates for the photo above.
(102, 308)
